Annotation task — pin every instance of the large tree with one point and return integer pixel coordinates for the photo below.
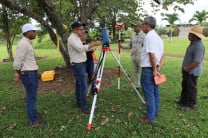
(52, 18)
(47, 16)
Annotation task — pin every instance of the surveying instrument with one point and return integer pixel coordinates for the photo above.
(97, 77)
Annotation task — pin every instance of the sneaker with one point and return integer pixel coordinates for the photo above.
(38, 124)
(85, 110)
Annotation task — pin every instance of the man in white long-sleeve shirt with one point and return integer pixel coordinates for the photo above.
(26, 70)
(78, 58)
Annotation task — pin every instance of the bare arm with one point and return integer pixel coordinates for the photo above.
(191, 66)
(161, 63)
(94, 43)
(17, 75)
(153, 63)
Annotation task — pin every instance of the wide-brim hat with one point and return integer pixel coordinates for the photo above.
(197, 30)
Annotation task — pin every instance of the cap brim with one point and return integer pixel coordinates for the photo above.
(135, 24)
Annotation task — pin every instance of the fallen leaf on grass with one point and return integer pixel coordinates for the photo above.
(62, 128)
(4, 108)
(105, 121)
(114, 110)
(118, 121)
(185, 122)
(140, 108)
(97, 128)
(13, 126)
(176, 129)
(130, 114)
(134, 132)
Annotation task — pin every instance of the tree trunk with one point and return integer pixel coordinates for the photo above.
(9, 49)
(57, 22)
(7, 33)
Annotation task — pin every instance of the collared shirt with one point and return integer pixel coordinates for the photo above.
(152, 44)
(77, 51)
(194, 53)
(25, 57)
(136, 44)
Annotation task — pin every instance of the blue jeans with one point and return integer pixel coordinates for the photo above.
(151, 93)
(30, 82)
(79, 72)
(90, 71)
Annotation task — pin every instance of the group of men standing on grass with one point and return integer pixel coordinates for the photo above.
(147, 60)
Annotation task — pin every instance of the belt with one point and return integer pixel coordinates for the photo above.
(28, 71)
(78, 63)
(146, 67)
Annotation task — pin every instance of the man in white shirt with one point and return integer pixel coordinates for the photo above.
(152, 59)
(78, 58)
(26, 70)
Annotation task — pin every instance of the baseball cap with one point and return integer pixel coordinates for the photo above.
(28, 27)
(77, 25)
(136, 24)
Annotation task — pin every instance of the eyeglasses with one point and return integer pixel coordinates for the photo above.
(80, 29)
(145, 23)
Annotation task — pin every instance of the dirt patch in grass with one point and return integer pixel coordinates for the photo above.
(64, 81)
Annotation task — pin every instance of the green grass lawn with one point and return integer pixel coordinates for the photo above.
(121, 108)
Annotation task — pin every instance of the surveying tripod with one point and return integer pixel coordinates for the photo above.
(99, 72)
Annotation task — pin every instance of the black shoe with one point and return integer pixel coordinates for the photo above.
(85, 110)
(145, 113)
(77, 105)
(38, 124)
(40, 115)
(186, 108)
(178, 101)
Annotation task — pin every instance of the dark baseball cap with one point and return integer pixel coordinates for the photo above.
(136, 24)
(77, 25)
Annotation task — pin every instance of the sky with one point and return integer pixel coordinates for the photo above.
(189, 9)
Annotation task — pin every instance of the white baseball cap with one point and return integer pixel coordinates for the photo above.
(28, 27)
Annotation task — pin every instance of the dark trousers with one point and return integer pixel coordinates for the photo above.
(90, 72)
(30, 82)
(79, 70)
(189, 89)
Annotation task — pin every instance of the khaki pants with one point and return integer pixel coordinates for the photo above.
(137, 72)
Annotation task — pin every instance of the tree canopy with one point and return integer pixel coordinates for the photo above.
(200, 16)
(52, 14)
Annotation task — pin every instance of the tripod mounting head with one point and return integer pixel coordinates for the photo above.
(105, 38)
